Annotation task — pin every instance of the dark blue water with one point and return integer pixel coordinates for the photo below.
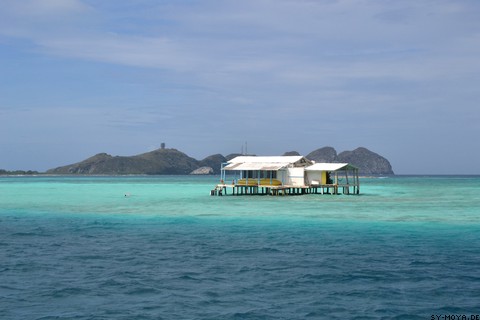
(187, 268)
(79, 249)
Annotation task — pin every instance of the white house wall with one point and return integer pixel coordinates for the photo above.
(282, 175)
(313, 176)
(295, 177)
(319, 177)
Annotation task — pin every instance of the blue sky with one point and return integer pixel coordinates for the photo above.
(401, 78)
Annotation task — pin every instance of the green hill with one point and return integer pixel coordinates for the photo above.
(172, 161)
(161, 161)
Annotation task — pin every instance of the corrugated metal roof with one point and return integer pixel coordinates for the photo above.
(265, 159)
(256, 166)
(330, 167)
(261, 163)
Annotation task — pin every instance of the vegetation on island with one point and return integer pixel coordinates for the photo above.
(174, 162)
(17, 172)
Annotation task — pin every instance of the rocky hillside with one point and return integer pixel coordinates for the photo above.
(325, 154)
(291, 153)
(172, 161)
(214, 162)
(368, 162)
(161, 161)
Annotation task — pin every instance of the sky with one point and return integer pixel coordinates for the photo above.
(401, 78)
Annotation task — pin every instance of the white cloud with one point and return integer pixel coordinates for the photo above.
(119, 49)
(306, 39)
(255, 60)
(43, 8)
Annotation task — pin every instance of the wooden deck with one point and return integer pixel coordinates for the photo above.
(234, 189)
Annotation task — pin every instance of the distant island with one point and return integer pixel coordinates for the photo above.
(167, 161)
(17, 172)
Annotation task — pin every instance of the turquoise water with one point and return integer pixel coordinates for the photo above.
(78, 248)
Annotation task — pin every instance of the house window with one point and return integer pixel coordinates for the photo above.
(269, 174)
(262, 174)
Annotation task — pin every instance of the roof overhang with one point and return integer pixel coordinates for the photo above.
(254, 163)
(330, 167)
(255, 166)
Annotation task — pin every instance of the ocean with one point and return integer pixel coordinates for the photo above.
(160, 247)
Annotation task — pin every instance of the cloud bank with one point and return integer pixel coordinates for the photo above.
(388, 75)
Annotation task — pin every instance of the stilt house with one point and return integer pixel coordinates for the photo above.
(286, 175)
